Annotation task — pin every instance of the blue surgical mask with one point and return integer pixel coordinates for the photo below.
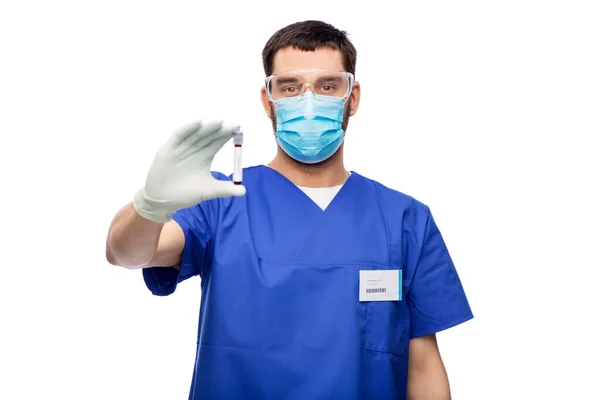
(309, 128)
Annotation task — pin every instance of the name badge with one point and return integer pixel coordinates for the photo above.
(380, 285)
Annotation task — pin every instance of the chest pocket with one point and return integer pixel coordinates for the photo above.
(386, 327)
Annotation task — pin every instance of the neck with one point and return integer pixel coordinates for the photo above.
(330, 172)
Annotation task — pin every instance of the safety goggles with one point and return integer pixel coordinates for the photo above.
(321, 82)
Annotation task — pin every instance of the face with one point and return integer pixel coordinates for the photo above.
(290, 59)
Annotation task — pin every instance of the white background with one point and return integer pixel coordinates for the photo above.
(486, 111)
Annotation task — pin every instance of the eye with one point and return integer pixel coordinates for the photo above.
(327, 88)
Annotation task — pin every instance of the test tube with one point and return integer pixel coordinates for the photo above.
(238, 139)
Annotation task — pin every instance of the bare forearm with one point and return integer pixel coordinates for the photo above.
(132, 240)
(429, 385)
(427, 377)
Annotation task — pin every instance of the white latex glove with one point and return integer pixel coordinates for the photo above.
(180, 174)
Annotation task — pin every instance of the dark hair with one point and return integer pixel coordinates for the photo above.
(309, 36)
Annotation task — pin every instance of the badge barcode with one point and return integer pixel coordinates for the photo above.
(378, 290)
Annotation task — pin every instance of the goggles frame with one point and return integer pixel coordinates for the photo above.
(348, 75)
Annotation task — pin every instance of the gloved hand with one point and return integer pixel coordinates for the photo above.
(180, 176)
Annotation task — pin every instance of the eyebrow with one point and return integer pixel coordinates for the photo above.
(285, 79)
(281, 80)
(330, 78)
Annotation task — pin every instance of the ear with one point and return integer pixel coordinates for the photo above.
(355, 97)
(266, 102)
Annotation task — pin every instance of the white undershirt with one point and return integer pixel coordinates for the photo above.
(321, 196)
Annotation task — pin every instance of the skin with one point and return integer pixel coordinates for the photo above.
(134, 242)
(427, 377)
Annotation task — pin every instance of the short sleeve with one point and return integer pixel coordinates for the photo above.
(196, 222)
(162, 281)
(436, 298)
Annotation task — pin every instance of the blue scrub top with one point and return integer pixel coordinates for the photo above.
(280, 316)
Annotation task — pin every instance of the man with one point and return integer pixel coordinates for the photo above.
(317, 283)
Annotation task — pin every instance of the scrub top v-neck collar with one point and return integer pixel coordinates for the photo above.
(307, 201)
(287, 225)
(322, 196)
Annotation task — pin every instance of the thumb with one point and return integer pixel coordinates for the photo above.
(227, 189)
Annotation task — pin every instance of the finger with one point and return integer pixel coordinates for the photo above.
(184, 132)
(199, 140)
(203, 136)
(223, 136)
(227, 189)
(229, 129)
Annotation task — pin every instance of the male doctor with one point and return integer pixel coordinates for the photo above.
(316, 282)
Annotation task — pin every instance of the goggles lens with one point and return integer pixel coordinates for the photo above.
(321, 82)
